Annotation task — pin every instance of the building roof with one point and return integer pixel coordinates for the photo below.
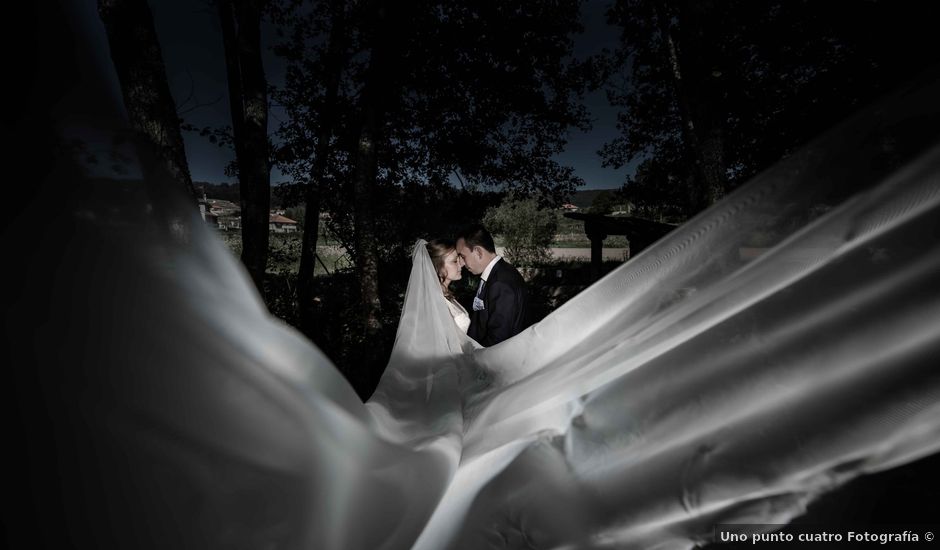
(277, 218)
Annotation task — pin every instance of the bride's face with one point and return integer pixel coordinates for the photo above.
(453, 263)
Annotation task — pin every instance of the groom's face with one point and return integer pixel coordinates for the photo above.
(472, 258)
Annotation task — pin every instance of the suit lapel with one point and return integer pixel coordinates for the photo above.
(480, 318)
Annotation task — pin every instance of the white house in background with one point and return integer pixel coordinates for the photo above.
(221, 214)
(222, 207)
(230, 223)
(281, 224)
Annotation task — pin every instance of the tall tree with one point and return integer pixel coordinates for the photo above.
(673, 104)
(248, 98)
(486, 91)
(716, 91)
(386, 24)
(695, 67)
(311, 118)
(138, 62)
(432, 92)
(333, 66)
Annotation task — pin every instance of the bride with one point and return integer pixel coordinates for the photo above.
(447, 265)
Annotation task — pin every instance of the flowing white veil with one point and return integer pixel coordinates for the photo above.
(699, 385)
(158, 405)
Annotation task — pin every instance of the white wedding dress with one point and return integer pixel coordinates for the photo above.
(460, 315)
(697, 384)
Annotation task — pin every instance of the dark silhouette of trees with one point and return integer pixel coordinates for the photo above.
(384, 23)
(248, 98)
(415, 97)
(713, 92)
(312, 121)
(603, 203)
(695, 72)
(403, 120)
(138, 62)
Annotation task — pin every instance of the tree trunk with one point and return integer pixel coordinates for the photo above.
(365, 237)
(306, 282)
(248, 97)
(698, 96)
(138, 61)
(706, 105)
(379, 83)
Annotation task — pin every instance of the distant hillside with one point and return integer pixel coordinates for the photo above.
(584, 199)
(224, 191)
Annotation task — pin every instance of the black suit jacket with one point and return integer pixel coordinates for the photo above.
(506, 307)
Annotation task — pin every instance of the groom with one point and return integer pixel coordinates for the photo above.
(501, 305)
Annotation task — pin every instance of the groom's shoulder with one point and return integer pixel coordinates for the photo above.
(507, 272)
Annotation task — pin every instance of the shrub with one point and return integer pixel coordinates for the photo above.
(526, 230)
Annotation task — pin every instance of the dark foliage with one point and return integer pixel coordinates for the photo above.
(392, 105)
(138, 62)
(758, 79)
(339, 332)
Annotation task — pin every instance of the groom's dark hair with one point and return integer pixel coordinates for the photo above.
(477, 235)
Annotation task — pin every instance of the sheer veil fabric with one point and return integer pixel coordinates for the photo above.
(699, 384)
(773, 348)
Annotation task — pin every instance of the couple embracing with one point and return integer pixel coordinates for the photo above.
(500, 307)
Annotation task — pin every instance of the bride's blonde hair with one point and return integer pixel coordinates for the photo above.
(438, 249)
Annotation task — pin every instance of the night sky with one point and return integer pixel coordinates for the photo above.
(192, 50)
